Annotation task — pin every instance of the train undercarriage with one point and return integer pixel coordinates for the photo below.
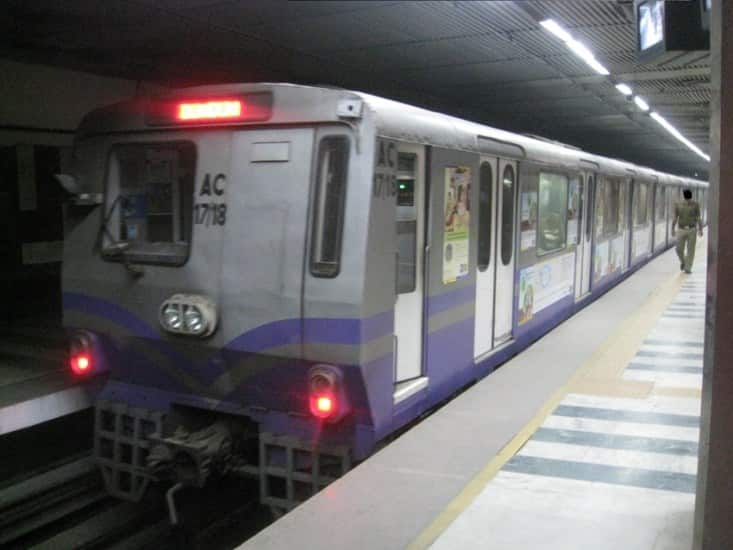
(188, 447)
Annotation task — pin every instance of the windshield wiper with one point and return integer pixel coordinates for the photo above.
(104, 230)
(117, 249)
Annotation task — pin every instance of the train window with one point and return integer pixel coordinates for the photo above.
(579, 211)
(406, 256)
(149, 214)
(330, 196)
(600, 199)
(642, 197)
(485, 206)
(507, 215)
(608, 207)
(660, 203)
(591, 194)
(625, 193)
(406, 179)
(614, 206)
(552, 213)
(406, 224)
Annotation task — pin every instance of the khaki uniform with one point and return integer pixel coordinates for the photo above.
(687, 214)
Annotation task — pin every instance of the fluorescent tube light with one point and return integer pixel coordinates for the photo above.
(597, 67)
(576, 47)
(643, 105)
(678, 135)
(586, 55)
(552, 26)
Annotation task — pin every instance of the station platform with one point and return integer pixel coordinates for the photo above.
(35, 384)
(587, 439)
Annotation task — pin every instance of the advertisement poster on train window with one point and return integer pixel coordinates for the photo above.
(543, 284)
(457, 223)
(528, 221)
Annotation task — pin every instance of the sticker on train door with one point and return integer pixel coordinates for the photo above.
(457, 223)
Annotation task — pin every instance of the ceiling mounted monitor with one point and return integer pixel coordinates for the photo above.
(669, 30)
(651, 23)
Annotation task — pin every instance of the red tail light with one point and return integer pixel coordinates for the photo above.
(81, 363)
(322, 406)
(327, 398)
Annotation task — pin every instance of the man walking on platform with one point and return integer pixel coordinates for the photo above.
(687, 215)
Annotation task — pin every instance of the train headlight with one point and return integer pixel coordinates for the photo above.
(172, 317)
(189, 314)
(194, 319)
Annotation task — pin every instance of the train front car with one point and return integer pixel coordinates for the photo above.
(219, 284)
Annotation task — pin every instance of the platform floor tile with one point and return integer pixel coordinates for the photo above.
(603, 471)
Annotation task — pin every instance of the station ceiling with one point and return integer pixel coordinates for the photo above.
(488, 61)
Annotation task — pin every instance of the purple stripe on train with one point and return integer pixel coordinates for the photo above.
(448, 300)
(349, 331)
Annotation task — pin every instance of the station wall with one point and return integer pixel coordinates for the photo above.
(40, 107)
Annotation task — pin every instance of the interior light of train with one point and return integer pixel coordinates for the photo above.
(576, 47)
(678, 135)
(210, 110)
(641, 104)
(624, 89)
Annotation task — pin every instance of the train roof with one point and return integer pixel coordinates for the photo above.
(296, 104)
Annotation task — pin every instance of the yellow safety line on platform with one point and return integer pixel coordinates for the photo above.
(618, 348)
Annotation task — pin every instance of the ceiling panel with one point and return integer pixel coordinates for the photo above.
(490, 61)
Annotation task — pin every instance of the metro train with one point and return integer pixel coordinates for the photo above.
(277, 277)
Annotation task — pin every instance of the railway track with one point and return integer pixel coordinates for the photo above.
(65, 506)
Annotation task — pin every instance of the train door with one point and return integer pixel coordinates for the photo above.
(505, 244)
(582, 253)
(410, 253)
(485, 266)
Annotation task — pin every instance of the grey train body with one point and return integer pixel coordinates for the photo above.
(350, 262)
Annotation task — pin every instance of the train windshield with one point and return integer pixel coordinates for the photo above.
(149, 206)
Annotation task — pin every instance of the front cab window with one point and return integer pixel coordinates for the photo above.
(149, 206)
